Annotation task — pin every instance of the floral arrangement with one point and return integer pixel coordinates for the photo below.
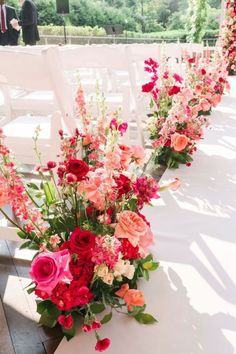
(228, 37)
(84, 219)
(173, 127)
(179, 107)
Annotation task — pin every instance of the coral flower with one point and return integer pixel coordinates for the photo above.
(179, 141)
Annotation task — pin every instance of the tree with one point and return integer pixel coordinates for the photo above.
(197, 15)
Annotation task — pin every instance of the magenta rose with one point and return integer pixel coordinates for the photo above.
(79, 168)
(82, 242)
(48, 269)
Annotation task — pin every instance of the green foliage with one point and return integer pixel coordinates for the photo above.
(136, 16)
(197, 19)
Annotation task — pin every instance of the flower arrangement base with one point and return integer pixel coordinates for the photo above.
(127, 336)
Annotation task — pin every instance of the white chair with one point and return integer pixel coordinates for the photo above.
(108, 66)
(45, 94)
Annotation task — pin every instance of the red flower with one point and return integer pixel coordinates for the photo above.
(122, 128)
(203, 71)
(66, 321)
(82, 270)
(79, 168)
(96, 325)
(177, 78)
(174, 90)
(42, 294)
(148, 87)
(81, 295)
(51, 164)
(123, 185)
(102, 344)
(191, 60)
(82, 242)
(61, 297)
(128, 250)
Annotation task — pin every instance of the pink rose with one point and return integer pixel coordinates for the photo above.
(131, 226)
(48, 269)
(179, 141)
(145, 242)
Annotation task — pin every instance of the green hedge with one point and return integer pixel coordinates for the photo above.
(98, 31)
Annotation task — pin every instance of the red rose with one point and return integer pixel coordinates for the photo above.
(174, 90)
(148, 87)
(82, 242)
(66, 321)
(79, 168)
(102, 344)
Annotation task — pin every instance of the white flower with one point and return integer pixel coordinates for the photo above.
(129, 271)
(108, 279)
(101, 270)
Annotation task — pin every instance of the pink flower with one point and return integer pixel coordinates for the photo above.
(48, 269)
(178, 78)
(131, 226)
(215, 100)
(122, 128)
(4, 198)
(138, 154)
(179, 141)
(205, 105)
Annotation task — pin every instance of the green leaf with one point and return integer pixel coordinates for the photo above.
(22, 234)
(43, 306)
(47, 320)
(31, 290)
(25, 245)
(106, 318)
(97, 308)
(33, 186)
(145, 318)
(49, 191)
(146, 274)
(151, 266)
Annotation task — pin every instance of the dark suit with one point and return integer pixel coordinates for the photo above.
(28, 22)
(10, 37)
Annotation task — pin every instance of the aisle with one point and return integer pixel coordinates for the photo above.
(193, 294)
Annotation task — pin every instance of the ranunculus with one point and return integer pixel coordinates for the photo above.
(102, 344)
(79, 168)
(179, 141)
(81, 241)
(148, 87)
(48, 269)
(130, 226)
(66, 321)
(173, 90)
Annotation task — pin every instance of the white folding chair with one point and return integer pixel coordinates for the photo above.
(46, 99)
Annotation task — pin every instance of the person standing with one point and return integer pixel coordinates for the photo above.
(8, 35)
(28, 22)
